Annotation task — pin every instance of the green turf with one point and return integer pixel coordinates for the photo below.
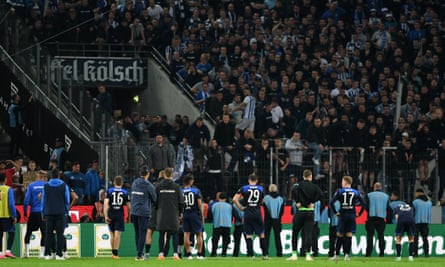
(228, 262)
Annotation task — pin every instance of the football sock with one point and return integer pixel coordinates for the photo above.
(114, 252)
(338, 243)
(411, 248)
(147, 248)
(263, 246)
(398, 249)
(347, 241)
(249, 244)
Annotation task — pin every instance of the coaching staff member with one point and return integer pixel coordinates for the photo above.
(143, 199)
(55, 206)
(378, 204)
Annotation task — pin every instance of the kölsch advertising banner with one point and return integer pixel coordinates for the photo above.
(90, 71)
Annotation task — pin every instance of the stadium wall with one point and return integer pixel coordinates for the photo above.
(163, 97)
(41, 126)
(92, 240)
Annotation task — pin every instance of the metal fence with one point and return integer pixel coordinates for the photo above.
(272, 165)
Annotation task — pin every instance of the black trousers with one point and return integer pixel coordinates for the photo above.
(140, 224)
(304, 222)
(422, 230)
(375, 224)
(54, 223)
(237, 233)
(218, 232)
(315, 235)
(274, 224)
(332, 239)
(35, 222)
(164, 241)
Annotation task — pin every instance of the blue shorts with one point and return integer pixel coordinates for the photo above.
(117, 223)
(346, 223)
(407, 227)
(192, 223)
(253, 225)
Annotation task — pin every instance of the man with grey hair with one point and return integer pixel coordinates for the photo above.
(274, 207)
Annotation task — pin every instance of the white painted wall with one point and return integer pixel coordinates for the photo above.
(163, 97)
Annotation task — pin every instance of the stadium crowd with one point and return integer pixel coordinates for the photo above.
(322, 74)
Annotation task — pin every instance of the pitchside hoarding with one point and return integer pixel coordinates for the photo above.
(72, 236)
(98, 233)
(90, 71)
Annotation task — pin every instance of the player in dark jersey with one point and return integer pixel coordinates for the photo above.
(253, 195)
(348, 198)
(404, 215)
(193, 219)
(114, 203)
(305, 194)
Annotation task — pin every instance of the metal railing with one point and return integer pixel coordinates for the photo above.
(366, 166)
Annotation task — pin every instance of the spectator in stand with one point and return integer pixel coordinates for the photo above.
(92, 183)
(59, 153)
(216, 105)
(214, 182)
(159, 157)
(154, 10)
(30, 175)
(13, 167)
(77, 181)
(184, 159)
(247, 148)
(407, 166)
(201, 98)
(225, 137)
(248, 121)
(314, 140)
(137, 35)
(104, 99)
(198, 135)
(295, 148)
(15, 111)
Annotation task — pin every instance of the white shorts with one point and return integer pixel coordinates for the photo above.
(246, 123)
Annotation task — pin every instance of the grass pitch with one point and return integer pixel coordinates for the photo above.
(227, 262)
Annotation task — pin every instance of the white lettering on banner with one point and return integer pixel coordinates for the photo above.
(82, 71)
(358, 244)
(389, 245)
(112, 73)
(440, 248)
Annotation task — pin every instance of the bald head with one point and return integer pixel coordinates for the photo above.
(377, 186)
